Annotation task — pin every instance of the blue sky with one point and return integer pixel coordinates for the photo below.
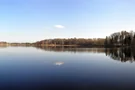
(32, 20)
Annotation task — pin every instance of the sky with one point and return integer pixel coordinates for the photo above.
(34, 20)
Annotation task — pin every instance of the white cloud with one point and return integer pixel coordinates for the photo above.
(59, 26)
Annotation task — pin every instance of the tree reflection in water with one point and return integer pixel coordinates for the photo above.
(73, 49)
(120, 54)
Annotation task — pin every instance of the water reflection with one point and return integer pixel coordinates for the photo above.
(55, 68)
(73, 49)
(120, 54)
(59, 63)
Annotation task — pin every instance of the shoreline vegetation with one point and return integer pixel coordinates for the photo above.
(117, 39)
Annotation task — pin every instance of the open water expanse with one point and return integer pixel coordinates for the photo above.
(59, 68)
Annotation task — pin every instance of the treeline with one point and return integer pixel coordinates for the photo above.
(2, 43)
(70, 42)
(20, 44)
(122, 38)
(15, 44)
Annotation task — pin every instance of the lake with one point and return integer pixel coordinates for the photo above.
(62, 68)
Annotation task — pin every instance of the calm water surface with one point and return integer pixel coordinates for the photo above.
(30, 68)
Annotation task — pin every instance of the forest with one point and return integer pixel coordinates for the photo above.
(117, 39)
(71, 42)
(122, 38)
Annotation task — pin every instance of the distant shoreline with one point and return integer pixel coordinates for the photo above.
(52, 45)
(84, 46)
(117, 39)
